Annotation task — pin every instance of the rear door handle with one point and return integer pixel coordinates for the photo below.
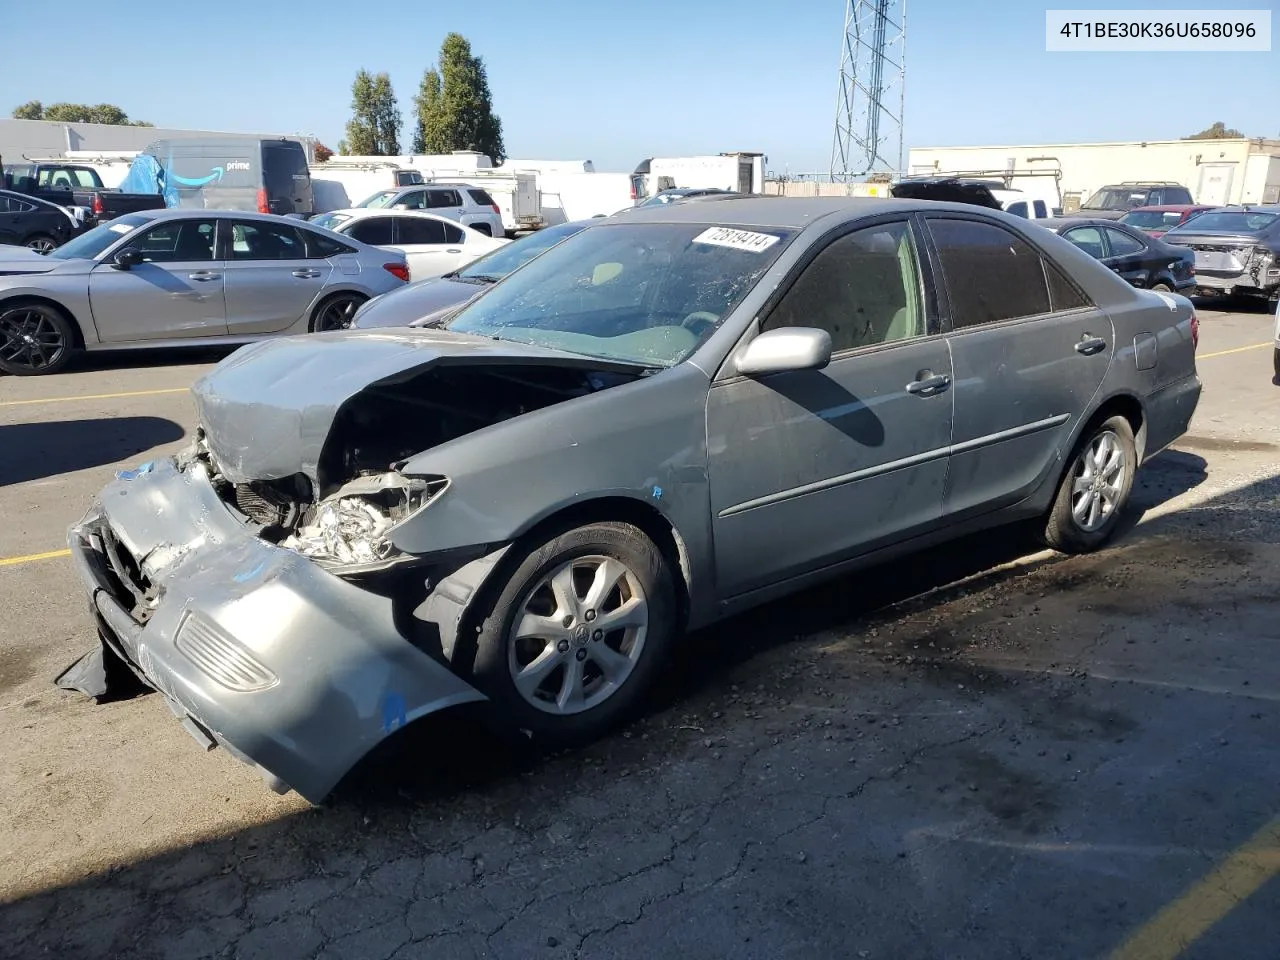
(929, 383)
(1090, 345)
(203, 276)
(453, 251)
(306, 274)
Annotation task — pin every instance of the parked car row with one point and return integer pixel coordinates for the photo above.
(433, 244)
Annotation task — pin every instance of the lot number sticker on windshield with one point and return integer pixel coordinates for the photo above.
(120, 228)
(737, 239)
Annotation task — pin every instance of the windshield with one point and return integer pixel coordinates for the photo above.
(1151, 219)
(1117, 198)
(89, 245)
(378, 200)
(330, 221)
(496, 265)
(1232, 222)
(646, 293)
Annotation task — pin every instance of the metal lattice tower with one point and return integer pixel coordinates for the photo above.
(873, 71)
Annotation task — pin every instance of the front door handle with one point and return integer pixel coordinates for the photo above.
(928, 383)
(1089, 345)
(306, 274)
(203, 276)
(453, 251)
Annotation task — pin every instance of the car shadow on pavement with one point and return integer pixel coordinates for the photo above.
(978, 787)
(99, 360)
(33, 451)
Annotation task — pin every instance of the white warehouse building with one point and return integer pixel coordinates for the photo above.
(1227, 171)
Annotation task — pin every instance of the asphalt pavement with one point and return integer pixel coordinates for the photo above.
(989, 751)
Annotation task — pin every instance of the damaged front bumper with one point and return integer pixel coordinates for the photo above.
(256, 648)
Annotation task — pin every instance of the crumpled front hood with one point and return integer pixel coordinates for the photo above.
(267, 409)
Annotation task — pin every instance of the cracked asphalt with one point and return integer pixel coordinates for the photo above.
(980, 752)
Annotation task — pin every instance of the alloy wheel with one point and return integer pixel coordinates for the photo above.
(1098, 482)
(30, 339)
(578, 635)
(338, 314)
(41, 245)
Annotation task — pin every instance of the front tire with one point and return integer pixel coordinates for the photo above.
(35, 339)
(1275, 363)
(1094, 490)
(575, 637)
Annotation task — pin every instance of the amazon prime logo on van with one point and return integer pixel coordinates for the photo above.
(237, 165)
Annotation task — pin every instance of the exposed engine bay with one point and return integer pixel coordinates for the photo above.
(361, 494)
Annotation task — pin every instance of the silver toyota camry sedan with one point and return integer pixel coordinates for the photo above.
(169, 278)
(664, 419)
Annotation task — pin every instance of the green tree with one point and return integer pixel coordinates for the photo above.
(459, 116)
(426, 105)
(76, 113)
(1218, 131)
(374, 127)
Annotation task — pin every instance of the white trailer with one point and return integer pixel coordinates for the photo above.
(741, 171)
(342, 182)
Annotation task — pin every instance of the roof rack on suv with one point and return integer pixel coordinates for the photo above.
(1149, 183)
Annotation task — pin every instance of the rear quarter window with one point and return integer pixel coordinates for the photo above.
(482, 197)
(320, 246)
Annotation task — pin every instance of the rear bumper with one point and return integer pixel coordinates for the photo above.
(1168, 413)
(255, 648)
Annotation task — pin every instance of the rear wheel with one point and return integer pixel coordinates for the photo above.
(336, 312)
(40, 243)
(1094, 490)
(35, 339)
(1275, 363)
(578, 632)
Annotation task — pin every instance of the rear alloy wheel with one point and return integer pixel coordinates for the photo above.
(41, 243)
(336, 312)
(1094, 490)
(34, 339)
(576, 636)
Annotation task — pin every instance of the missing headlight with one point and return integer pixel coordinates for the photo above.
(348, 530)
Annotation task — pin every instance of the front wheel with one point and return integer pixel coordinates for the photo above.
(35, 339)
(1094, 490)
(1275, 362)
(577, 634)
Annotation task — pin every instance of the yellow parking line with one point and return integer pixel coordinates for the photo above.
(33, 557)
(1223, 353)
(1181, 923)
(94, 396)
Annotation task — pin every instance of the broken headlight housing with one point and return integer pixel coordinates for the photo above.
(349, 531)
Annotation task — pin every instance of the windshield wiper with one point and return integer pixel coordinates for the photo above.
(478, 278)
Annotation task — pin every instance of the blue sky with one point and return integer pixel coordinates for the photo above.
(615, 83)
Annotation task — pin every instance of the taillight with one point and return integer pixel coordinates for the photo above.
(99, 208)
(264, 206)
(634, 194)
(1195, 330)
(496, 210)
(398, 270)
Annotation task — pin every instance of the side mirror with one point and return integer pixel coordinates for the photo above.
(788, 348)
(127, 259)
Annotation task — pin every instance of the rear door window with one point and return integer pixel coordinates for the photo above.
(320, 246)
(419, 230)
(378, 231)
(991, 274)
(1122, 245)
(482, 198)
(1088, 239)
(261, 240)
(441, 199)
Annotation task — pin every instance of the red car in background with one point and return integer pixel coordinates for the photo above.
(1156, 221)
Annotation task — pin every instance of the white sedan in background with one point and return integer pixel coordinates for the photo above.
(433, 245)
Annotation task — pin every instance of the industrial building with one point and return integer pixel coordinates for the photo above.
(1228, 171)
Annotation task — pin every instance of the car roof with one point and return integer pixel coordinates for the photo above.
(193, 213)
(1173, 208)
(361, 213)
(1062, 223)
(794, 213)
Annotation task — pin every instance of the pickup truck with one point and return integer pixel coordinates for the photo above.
(77, 188)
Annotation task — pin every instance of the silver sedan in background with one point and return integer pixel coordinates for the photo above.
(169, 278)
